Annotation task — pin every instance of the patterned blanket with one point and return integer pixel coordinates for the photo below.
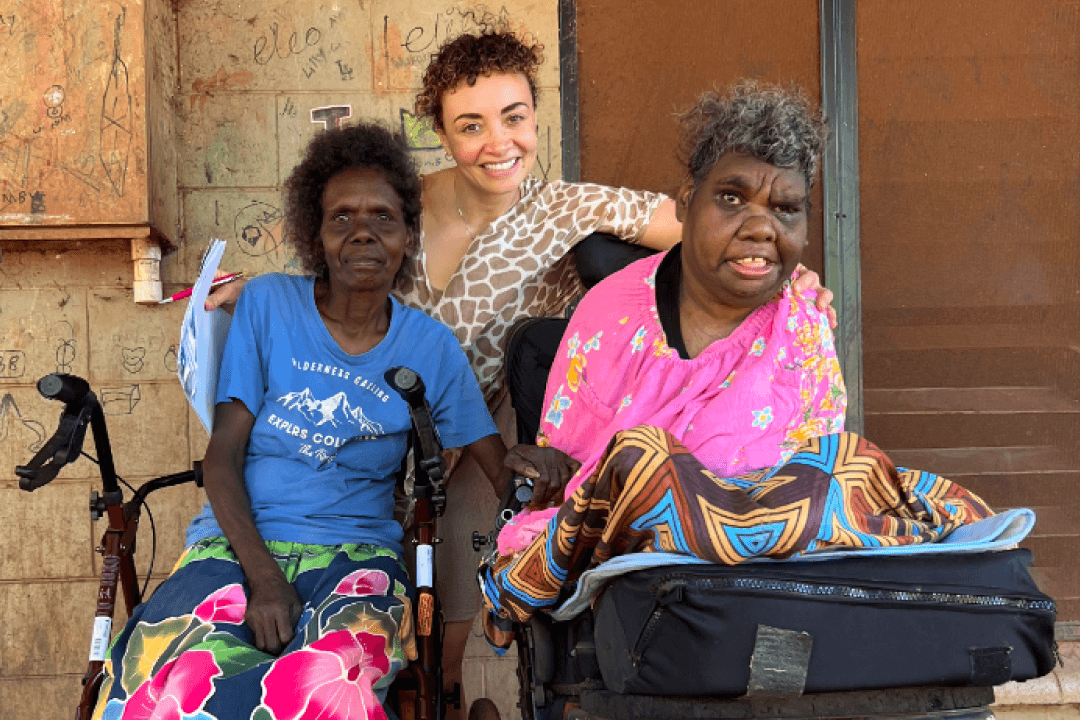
(650, 494)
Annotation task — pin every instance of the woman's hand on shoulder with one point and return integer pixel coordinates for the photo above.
(809, 280)
(550, 470)
(224, 296)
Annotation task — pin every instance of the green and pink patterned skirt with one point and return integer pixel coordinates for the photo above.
(187, 655)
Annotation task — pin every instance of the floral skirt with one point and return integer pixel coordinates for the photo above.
(186, 653)
(649, 493)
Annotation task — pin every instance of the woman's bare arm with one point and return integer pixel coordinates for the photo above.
(489, 453)
(664, 229)
(273, 606)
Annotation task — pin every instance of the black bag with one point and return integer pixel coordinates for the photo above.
(785, 628)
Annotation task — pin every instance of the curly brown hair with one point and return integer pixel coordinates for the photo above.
(467, 57)
(365, 145)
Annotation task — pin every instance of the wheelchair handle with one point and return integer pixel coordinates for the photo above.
(81, 410)
(68, 389)
(408, 384)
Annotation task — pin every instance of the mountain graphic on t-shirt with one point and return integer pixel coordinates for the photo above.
(334, 410)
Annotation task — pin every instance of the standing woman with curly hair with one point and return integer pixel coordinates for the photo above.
(496, 248)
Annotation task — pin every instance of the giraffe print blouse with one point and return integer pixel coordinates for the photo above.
(519, 266)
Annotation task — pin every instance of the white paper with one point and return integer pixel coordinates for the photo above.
(202, 341)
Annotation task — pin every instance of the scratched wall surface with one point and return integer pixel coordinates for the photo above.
(65, 306)
(259, 79)
(232, 97)
(72, 113)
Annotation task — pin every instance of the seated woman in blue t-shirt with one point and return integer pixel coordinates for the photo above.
(290, 600)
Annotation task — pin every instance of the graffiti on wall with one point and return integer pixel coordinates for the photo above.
(310, 46)
(66, 140)
(24, 432)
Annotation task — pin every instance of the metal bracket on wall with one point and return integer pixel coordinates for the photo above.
(568, 90)
(840, 188)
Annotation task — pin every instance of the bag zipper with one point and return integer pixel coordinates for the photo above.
(825, 590)
(664, 589)
(665, 597)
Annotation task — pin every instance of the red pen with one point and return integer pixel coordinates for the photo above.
(187, 293)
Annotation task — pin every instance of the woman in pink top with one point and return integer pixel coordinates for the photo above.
(701, 393)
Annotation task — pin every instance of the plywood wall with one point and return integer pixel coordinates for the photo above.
(255, 77)
(641, 62)
(228, 107)
(72, 113)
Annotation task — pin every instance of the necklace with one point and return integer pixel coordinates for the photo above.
(457, 204)
(461, 215)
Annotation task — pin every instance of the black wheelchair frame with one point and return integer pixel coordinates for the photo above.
(417, 692)
(558, 673)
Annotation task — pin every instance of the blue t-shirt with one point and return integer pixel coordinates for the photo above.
(329, 432)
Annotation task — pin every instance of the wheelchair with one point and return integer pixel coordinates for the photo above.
(417, 692)
(558, 671)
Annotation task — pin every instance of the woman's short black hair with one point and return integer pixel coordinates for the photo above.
(365, 145)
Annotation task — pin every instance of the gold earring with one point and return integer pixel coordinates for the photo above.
(448, 155)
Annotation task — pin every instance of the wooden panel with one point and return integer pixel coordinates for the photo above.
(642, 61)
(162, 72)
(970, 189)
(967, 127)
(72, 116)
(252, 73)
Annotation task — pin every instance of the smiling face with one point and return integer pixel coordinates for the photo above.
(490, 130)
(744, 230)
(363, 231)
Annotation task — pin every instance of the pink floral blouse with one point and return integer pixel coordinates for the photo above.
(747, 402)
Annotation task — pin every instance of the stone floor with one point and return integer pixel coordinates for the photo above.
(1053, 697)
(486, 675)
(1036, 712)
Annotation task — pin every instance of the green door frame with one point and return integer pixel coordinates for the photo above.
(840, 189)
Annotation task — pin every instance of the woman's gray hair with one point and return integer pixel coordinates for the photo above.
(773, 124)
